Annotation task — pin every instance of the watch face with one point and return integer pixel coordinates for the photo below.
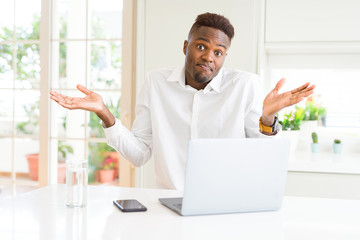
(276, 124)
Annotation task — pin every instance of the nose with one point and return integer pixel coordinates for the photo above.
(208, 56)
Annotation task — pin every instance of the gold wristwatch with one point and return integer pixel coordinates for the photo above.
(269, 129)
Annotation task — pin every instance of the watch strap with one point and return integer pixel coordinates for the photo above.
(268, 129)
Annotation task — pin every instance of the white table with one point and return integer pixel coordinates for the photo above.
(42, 214)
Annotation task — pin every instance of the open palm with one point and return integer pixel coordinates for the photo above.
(274, 101)
(91, 102)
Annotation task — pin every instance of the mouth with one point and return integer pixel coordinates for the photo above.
(204, 67)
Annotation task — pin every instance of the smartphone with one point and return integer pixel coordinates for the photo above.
(130, 205)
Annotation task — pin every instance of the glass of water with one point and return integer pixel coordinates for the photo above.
(76, 183)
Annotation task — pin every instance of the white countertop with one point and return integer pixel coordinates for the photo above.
(42, 214)
(325, 162)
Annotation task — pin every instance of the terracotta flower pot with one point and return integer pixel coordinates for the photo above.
(33, 161)
(61, 172)
(107, 176)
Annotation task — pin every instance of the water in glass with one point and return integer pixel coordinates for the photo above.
(76, 183)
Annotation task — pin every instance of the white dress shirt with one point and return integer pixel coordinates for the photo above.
(169, 113)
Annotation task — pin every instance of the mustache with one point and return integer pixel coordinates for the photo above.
(206, 65)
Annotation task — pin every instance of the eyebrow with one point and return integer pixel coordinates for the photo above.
(207, 40)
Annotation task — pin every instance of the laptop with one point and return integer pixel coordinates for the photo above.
(233, 176)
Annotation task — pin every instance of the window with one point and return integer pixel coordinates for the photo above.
(86, 48)
(337, 77)
(19, 89)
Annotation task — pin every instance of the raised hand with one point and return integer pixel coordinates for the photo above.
(274, 101)
(92, 102)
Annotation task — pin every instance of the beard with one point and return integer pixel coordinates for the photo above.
(201, 78)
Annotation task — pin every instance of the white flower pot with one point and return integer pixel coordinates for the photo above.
(315, 147)
(337, 148)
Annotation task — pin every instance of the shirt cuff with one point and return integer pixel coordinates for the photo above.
(113, 131)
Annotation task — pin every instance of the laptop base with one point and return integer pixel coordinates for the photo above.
(174, 204)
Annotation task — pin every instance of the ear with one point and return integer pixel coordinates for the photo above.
(185, 47)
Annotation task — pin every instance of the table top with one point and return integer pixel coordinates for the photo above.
(42, 214)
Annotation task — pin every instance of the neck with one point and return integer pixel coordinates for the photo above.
(196, 85)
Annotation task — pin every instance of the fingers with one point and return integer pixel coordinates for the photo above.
(57, 95)
(83, 89)
(296, 98)
(62, 100)
(69, 102)
(305, 92)
(280, 84)
(301, 88)
(68, 105)
(298, 94)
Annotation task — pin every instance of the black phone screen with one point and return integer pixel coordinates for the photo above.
(130, 205)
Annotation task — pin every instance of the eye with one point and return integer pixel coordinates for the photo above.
(218, 53)
(200, 46)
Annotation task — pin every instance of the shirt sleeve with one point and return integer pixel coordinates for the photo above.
(134, 145)
(252, 129)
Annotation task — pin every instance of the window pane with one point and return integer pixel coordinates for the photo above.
(6, 20)
(112, 101)
(105, 19)
(27, 19)
(101, 156)
(5, 163)
(65, 123)
(6, 71)
(27, 158)
(105, 65)
(27, 112)
(6, 112)
(69, 19)
(28, 66)
(69, 63)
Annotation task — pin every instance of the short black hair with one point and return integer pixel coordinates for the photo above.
(214, 20)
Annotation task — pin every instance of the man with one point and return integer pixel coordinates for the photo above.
(198, 100)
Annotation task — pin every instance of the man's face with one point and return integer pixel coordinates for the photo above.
(205, 52)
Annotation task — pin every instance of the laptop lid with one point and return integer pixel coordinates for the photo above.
(235, 175)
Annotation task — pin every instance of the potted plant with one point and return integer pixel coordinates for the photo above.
(313, 113)
(33, 162)
(291, 125)
(29, 127)
(315, 146)
(322, 115)
(337, 146)
(292, 120)
(107, 172)
(100, 151)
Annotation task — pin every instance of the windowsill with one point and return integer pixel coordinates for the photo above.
(325, 162)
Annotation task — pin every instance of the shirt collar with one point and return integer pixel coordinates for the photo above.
(178, 75)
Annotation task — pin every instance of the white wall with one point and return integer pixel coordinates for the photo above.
(167, 24)
(311, 21)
